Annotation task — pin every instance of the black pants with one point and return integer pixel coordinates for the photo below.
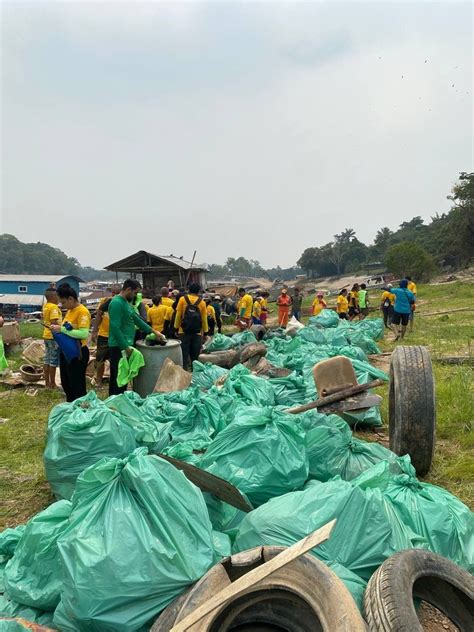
(211, 323)
(191, 348)
(115, 356)
(387, 315)
(73, 375)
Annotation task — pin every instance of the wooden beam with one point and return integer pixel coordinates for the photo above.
(337, 397)
(239, 587)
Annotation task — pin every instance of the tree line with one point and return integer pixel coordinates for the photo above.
(415, 248)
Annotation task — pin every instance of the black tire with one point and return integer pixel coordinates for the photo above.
(304, 596)
(388, 599)
(412, 406)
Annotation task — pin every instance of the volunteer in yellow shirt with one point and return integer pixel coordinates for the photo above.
(318, 304)
(191, 323)
(264, 304)
(354, 301)
(51, 316)
(100, 335)
(257, 311)
(73, 373)
(244, 310)
(211, 315)
(342, 305)
(412, 288)
(166, 299)
(157, 314)
(386, 305)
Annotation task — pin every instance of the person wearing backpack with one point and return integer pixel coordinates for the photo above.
(386, 305)
(191, 323)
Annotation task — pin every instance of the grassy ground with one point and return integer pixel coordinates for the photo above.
(23, 418)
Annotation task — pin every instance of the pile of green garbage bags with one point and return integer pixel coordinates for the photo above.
(129, 532)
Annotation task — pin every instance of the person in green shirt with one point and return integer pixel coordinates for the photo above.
(363, 302)
(123, 319)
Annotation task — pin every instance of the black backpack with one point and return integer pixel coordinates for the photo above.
(192, 320)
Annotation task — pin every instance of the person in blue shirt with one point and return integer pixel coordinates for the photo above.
(404, 304)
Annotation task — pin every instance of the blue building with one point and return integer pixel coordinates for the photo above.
(25, 292)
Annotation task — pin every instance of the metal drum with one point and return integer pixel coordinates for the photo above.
(154, 356)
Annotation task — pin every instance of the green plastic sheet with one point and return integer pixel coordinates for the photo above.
(334, 451)
(430, 511)
(139, 535)
(261, 452)
(31, 576)
(79, 434)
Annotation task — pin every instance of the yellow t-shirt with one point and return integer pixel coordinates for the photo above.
(181, 310)
(412, 287)
(211, 312)
(264, 304)
(257, 309)
(51, 312)
(388, 295)
(166, 300)
(342, 304)
(246, 302)
(157, 315)
(318, 306)
(80, 318)
(104, 326)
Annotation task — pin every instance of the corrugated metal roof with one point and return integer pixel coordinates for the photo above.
(39, 278)
(22, 299)
(143, 254)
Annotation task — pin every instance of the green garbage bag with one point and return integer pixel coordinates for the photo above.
(290, 390)
(224, 517)
(373, 327)
(148, 432)
(219, 343)
(3, 360)
(261, 452)
(189, 451)
(366, 343)
(222, 544)
(326, 318)
(251, 388)
(205, 375)
(9, 539)
(430, 511)
(334, 451)
(365, 534)
(139, 535)
(129, 366)
(12, 609)
(337, 337)
(31, 576)
(78, 436)
(312, 334)
(243, 338)
(200, 421)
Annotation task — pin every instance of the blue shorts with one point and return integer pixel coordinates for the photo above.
(51, 356)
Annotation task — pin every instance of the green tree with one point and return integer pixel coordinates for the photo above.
(410, 258)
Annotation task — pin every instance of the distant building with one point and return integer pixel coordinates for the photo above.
(154, 271)
(25, 292)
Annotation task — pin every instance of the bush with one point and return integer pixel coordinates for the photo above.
(410, 258)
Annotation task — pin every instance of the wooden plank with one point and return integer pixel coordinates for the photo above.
(337, 397)
(237, 588)
(210, 483)
(450, 311)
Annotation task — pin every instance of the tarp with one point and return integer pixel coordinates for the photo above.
(139, 534)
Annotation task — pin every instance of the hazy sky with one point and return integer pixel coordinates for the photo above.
(230, 128)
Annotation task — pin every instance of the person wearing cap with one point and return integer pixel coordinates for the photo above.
(318, 304)
(244, 310)
(284, 303)
(386, 305)
(216, 304)
(257, 311)
(297, 303)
